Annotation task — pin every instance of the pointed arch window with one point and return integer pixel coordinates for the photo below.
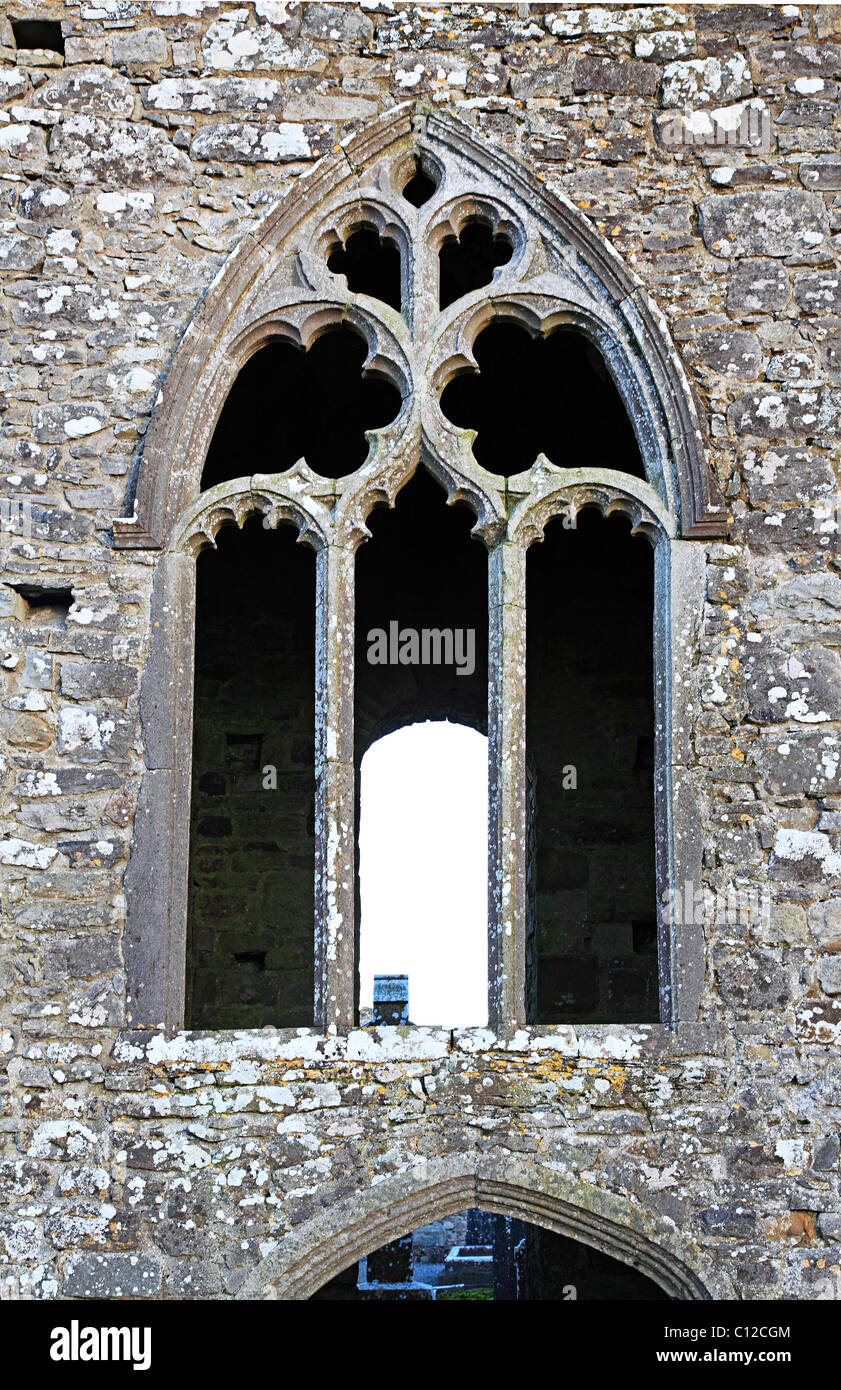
(518, 364)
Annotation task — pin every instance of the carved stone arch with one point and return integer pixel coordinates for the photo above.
(571, 249)
(379, 486)
(284, 497)
(300, 322)
(590, 258)
(546, 492)
(618, 1226)
(552, 491)
(540, 312)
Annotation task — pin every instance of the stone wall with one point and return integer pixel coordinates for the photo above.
(131, 167)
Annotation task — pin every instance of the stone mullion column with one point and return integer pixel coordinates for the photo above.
(507, 787)
(334, 811)
(156, 882)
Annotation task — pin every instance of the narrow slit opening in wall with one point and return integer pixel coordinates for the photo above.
(250, 935)
(533, 395)
(421, 661)
(590, 709)
(480, 1256)
(370, 263)
(470, 260)
(287, 404)
(42, 34)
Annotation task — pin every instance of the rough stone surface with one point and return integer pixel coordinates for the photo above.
(133, 1165)
(760, 223)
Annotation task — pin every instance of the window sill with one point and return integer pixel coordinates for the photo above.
(620, 1043)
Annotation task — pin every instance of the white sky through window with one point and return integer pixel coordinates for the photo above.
(423, 870)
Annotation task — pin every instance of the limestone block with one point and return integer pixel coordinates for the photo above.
(592, 74)
(706, 81)
(758, 286)
(274, 143)
(112, 1276)
(818, 291)
(215, 94)
(92, 91)
(829, 974)
(234, 44)
(107, 153)
(138, 49)
(767, 223)
(97, 680)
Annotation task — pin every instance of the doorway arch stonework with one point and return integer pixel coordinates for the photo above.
(310, 1257)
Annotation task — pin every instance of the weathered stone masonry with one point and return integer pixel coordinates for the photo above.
(139, 172)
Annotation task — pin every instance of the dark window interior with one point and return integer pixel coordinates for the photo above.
(288, 404)
(589, 684)
(250, 953)
(370, 264)
(421, 569)
(38, 33)
(475, 1256)
(549, 395)
(468, 262)
(421, 186)
(49, 606)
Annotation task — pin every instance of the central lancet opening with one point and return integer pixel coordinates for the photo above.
(420, 713)
(423, 877)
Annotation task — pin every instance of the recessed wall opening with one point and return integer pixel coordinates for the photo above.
(469, 261)
(423, 874)
(590, 738)
(476, 1256)
(250, 951)
(46, 606)
(421, 186)
(421, 643)
(38, 33)
(288, 404)
(535, 395)
(370, 264)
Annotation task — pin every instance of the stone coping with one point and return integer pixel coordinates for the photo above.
(596, 1042)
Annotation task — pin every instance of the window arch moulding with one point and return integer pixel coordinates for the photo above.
(276, 283)
(277, 280)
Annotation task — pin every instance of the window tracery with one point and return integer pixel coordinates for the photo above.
(417, 187)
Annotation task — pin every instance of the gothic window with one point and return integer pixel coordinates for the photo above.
(439, 374)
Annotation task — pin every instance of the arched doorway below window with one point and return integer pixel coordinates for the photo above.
(477, 1256)
(423, 872)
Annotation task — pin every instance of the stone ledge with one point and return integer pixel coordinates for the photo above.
(596, 1042)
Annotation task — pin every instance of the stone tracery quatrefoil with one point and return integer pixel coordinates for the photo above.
(532, 394)
(418, 182)
(326, 400)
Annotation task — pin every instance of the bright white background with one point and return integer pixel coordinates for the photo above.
(423, 867)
